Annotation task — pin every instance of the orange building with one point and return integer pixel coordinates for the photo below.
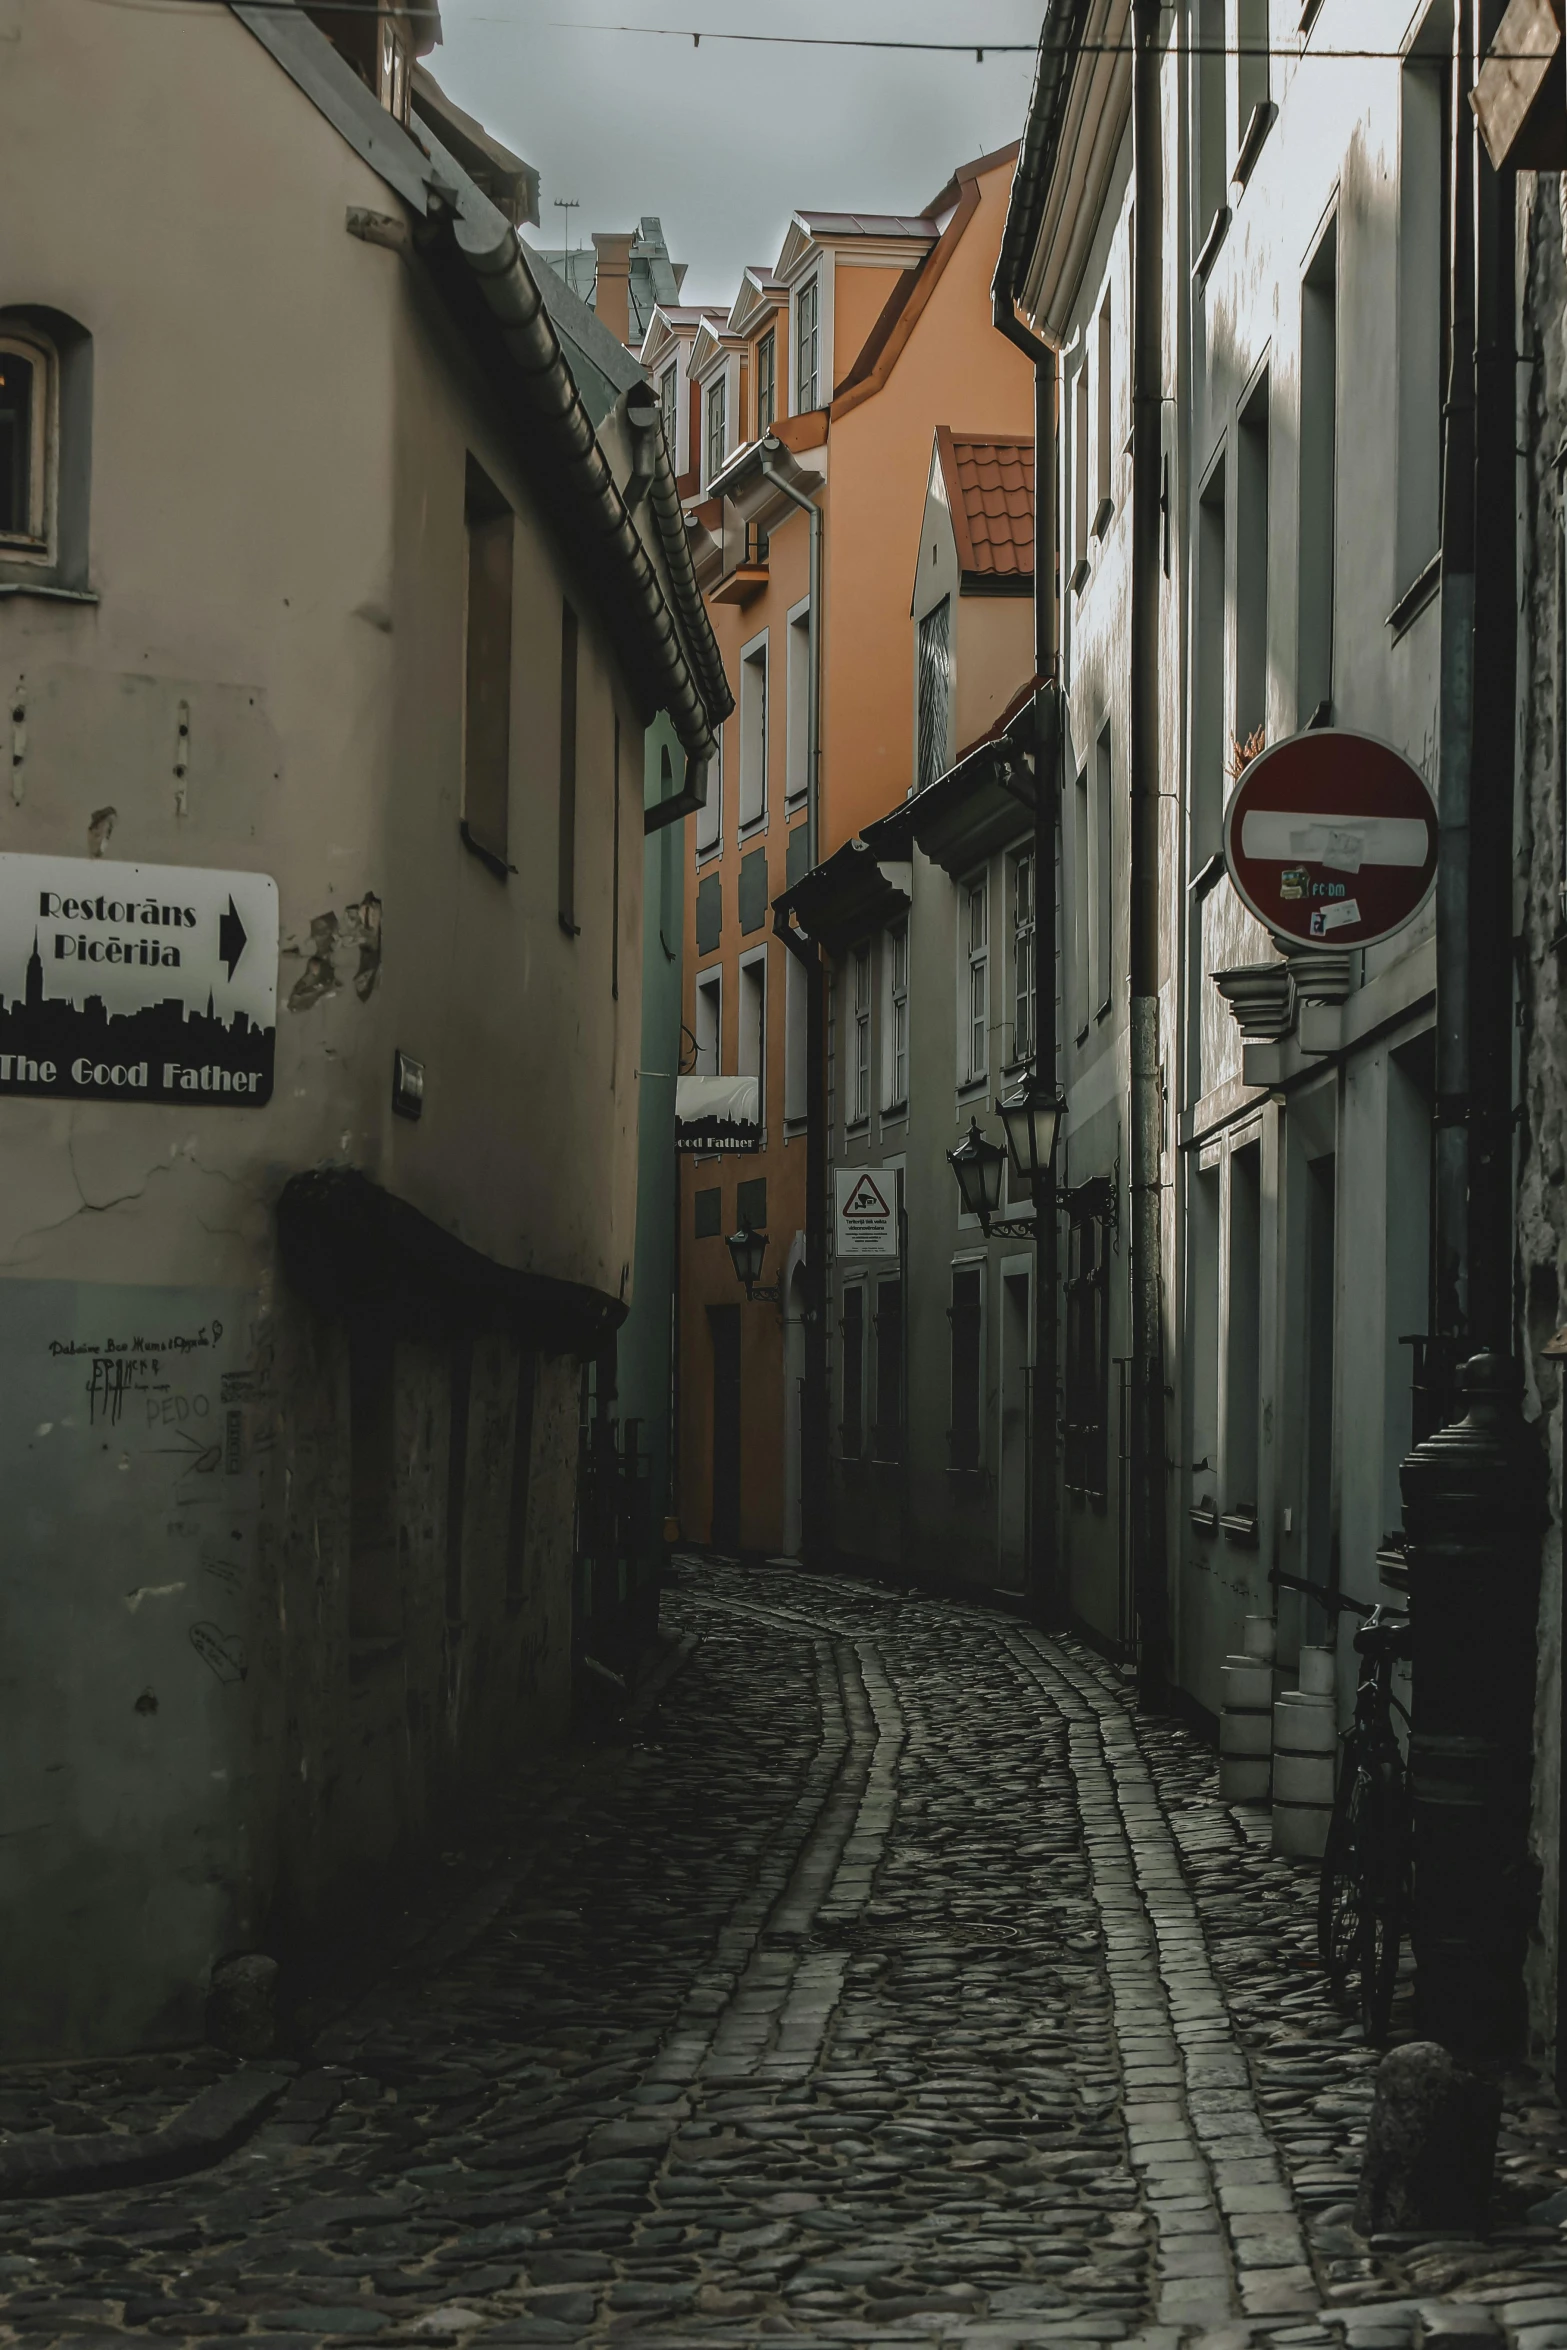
(808, 416)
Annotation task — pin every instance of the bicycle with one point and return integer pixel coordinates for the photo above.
(1363, 1897)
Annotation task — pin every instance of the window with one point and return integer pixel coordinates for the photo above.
(966, 1315)
(1209, 746)
(1080, 477)
(887, 1443)
(709, 1025)
(753, 733)
(710, 815)
(567, 891)
(1251, 62)
(1251, 574)
(807, 347)
(1213, 147)
(460, 1399)
(975, 1030)
(851, 1427)
(521, 1480)
(1082, 903)
(717, 425)
(487, 695)
(766, 383)
(1424, 220)
(1024, 962)
(795, 1016)
(1102, 928)
(751, 1041)
(1106, 450)
(896, 1090)
(860, 1042)
(935, 690)
(797, 737)
(669, 409)
(1086, 1387)
(375, 1608)
(24, 418)
(1318, 479)
(394, 78)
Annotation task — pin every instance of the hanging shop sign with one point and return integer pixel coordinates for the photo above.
(867, 1211)
(1330, 838)
(137, 983)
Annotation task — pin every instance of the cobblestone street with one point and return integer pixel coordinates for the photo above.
(890, 1983)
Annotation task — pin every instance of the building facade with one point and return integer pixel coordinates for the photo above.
(819, 394)
(329, 658)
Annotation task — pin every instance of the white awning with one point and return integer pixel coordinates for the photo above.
(717, 1113)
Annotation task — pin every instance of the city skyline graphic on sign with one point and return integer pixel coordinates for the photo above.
(207, 1053)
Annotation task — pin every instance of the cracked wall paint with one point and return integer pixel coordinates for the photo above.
(345, 949)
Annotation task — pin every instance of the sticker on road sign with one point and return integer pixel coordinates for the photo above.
(137, 983)
(867, 1200)
(1330, 838)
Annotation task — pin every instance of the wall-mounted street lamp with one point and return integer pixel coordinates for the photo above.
(1031, 1114)
(977, 1164)
(748, 1250)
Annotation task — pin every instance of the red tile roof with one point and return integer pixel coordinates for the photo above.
(990, 488)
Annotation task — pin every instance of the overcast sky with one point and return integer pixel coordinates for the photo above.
(725, 141)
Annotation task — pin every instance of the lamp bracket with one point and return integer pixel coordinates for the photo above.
(1012, 1228)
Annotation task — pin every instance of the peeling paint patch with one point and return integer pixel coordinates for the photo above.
(133, 1599)
(100, 827)
(334, 941)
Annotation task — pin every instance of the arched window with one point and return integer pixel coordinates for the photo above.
(27, 433)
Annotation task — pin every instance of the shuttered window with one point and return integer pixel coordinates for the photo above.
(935, 687)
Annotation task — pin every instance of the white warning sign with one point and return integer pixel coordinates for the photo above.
(867, 1204)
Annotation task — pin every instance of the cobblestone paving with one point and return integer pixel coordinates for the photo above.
(894, 1984)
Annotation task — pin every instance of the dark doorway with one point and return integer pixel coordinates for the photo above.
(723, 1323)
(1322, 1565)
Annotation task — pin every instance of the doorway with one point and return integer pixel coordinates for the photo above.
(723, 1324)
(1012, 1517)
(794, 1389)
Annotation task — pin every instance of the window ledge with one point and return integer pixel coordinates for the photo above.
(856, 1129)
(751, 825)
(973, 1089)
(1218, 229)
(794, 1128)
(1421, 590)
(53, 595)
(1079, 578)
(1103, 517)
(1263, 116)
(895, 1109)
(487, 857)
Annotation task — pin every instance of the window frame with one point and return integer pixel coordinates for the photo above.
(751, 812)
(36, 545)
(895, 1053)
(669, 409)
(808, 344)
(933, 682)
(797, 711)
(861, 1011)
(1025, 958)
(767, 382)
(715, 406)
(709, 987)
(751, 971)
(1086, 1366)
(707, 826)
(974, 983)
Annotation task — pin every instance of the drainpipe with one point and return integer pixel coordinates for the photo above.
(814, 1403)
(1474, 1493)
(1149, 1567)
(1047, 1599)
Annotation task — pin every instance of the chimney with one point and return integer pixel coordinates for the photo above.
(612, 285)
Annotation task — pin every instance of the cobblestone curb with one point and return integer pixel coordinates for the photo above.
(212, 2125)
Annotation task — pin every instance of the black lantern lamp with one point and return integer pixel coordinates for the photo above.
(977, 1164)
(1031, 1114)
(748, 1249)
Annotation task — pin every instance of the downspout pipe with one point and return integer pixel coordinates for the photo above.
(814, 1411)
(1150, 1576)
(1046, 1593)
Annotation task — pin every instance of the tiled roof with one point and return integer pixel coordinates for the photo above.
(990, 487)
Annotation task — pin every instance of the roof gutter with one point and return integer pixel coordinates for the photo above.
(1060, 44)
(584, 482)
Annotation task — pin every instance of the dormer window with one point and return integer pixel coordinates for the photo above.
(717, 425)
(668, 394)
(808, 347)
(396, 78)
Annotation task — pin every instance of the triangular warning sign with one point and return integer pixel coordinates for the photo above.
(865, 1200)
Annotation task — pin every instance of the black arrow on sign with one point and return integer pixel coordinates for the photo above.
(231, 937)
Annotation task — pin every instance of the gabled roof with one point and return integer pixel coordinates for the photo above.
(713, 341)
(989, 481)
(760, 292)
(905, 234)
(866, 224)
(671, 326)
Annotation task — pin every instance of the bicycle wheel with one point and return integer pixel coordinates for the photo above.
(1339, 1891)
(1384, 1869)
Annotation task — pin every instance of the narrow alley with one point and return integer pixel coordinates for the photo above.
(879, 1978)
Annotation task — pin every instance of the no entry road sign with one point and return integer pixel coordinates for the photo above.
(1330, 839)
